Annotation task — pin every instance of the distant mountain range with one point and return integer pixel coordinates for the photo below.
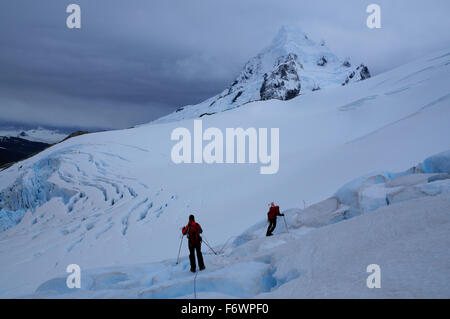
(18, 144)
(40, 134)
(13, 149)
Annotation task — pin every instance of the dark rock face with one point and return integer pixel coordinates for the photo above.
(284, 82)
(359, 74)
(346, 64)
(322, 61)
(364, 72)
(237, 96)
(207, 114)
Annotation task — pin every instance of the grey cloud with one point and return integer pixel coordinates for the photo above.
(136, 60)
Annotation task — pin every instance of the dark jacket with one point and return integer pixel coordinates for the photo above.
(193, 231)
(274, 211)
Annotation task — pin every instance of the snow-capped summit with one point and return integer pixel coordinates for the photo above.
(290, 37)
(291, 65)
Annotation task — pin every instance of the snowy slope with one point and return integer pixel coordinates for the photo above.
(291, 65)
(324, 253)
(115, 198)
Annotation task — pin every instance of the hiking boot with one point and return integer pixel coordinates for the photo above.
(192, 270)
(202, 268)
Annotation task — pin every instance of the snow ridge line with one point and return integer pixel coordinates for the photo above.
(431, 104)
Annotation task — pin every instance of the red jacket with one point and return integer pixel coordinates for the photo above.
(193, 231)
(274, 211)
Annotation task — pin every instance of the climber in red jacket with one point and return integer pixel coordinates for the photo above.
(193, 231)
(274, 211)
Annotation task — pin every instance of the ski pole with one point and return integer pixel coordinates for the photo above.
(195, 285)
(287, 229)
(179, 249)
(209, 246)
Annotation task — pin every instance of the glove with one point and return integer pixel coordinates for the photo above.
(282, 214)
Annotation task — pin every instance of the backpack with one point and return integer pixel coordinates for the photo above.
(273, 212)
(194, 233)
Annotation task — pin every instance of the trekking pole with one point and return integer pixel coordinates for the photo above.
(209, 246)
(287, 229)
(179, 249)
(226, 243)
(195, 285)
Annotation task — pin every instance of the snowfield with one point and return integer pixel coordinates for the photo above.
(113, 202)
(324, 254)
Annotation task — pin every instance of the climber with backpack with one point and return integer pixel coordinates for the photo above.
(193, 231)
(274, 211)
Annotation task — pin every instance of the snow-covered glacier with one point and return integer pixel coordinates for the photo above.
(115, 198)
(400, 221)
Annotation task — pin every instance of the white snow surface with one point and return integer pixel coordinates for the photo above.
(39, 134)
(323, 254)
(111, 199)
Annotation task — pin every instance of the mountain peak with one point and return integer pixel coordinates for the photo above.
(291, 65)
(289, 35)
(291, 32)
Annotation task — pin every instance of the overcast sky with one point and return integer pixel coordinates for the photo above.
(136, 60)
